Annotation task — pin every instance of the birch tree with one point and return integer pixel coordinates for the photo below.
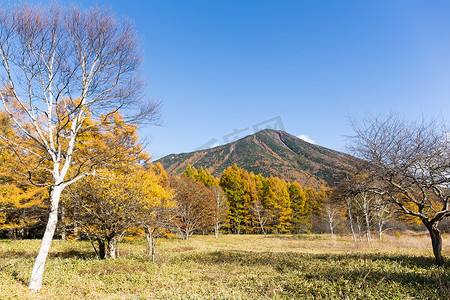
(348, 206)
(382, 214)
(156, 222)
(344, 193)
(59, 66)
(331, 210)
(220, 208)
(364, 203)
(262, 215)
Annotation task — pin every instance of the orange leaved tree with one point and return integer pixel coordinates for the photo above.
(195, 205)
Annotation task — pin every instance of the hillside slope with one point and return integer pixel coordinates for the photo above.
(270, 153)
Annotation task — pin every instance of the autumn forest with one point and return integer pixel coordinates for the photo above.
(82, 199)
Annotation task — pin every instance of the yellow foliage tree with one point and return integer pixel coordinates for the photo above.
(156, 217)
(60, 66)
(278, 202)
(300, 209)
(106, 207)
(21, 203)
(21, 206)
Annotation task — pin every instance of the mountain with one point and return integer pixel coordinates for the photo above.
(270, 153)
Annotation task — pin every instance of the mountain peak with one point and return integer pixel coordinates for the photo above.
(271, 153)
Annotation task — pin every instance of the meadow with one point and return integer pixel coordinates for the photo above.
(233, 267)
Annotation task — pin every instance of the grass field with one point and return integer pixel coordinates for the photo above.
(233, 267)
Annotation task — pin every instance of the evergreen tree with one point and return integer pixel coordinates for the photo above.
(205, 177)
(190, 172)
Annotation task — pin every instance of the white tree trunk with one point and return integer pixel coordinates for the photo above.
(350, 219)
(38, 268)
(368, 227)
(149, 237)
(63, 222)
(151, 243)
(330, 217)
(358, 223)
(112, 248)
(262, 228)
(216, 229)
(331, 229)
(217, 216)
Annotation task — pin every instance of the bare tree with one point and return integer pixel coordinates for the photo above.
(262, 214)
(382, 214)
(344, 192)
(410, 164)
(221, 208)
(348, 206)
(363, 204)
(371, 208)
(58, 67)
(363, 201)
(156, 223)
(331, 210)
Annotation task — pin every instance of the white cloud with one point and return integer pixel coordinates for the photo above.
(306, 138)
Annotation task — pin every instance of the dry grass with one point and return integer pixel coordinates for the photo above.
(234, 267)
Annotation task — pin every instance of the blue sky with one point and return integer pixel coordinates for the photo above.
(225, 65)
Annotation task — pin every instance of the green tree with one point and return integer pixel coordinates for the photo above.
(190, 172)
(205, 177)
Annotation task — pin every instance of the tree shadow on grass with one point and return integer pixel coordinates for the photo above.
(304, 237)
(15, 275)
(9, 260)
(13, 254)
(416, 273)
(22, 254)
(72, 253)
(276, 258)
(403, 260)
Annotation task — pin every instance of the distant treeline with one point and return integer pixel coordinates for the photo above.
(149, 201)
(257, 204)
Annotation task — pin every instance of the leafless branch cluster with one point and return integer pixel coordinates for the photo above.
(409, 162)
(412, 159)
